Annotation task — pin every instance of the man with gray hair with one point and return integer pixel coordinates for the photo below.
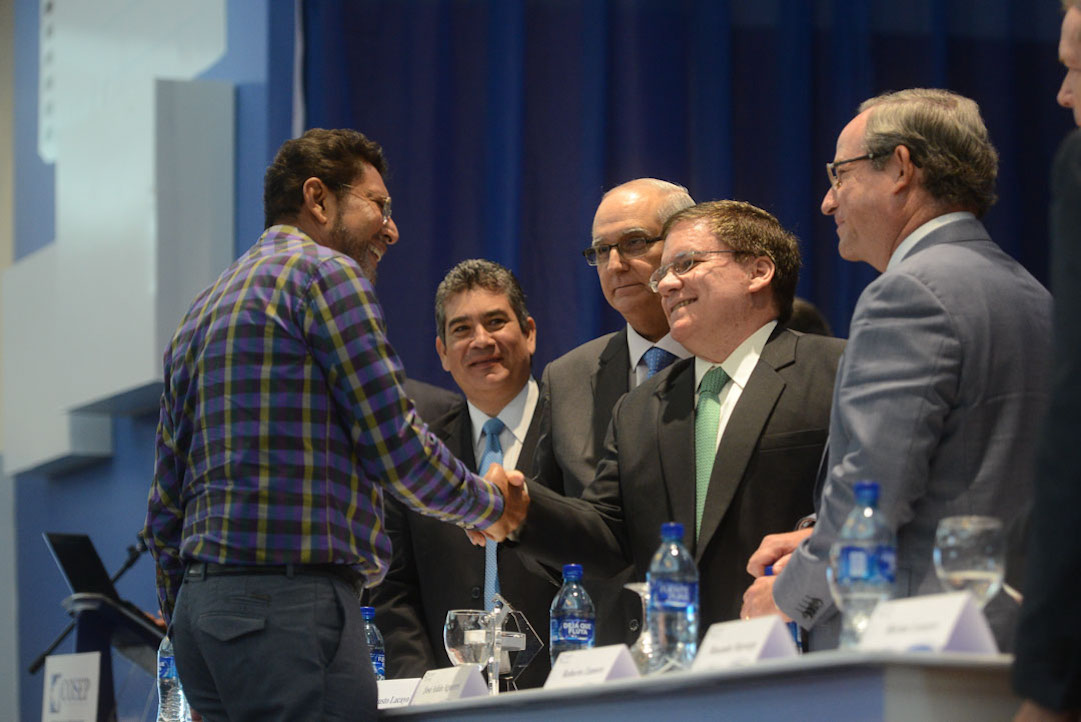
(947, 359)
(579, 389)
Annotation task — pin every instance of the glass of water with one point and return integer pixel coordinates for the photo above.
(970, 554)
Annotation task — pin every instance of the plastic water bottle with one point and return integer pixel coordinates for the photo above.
(375, 643)
(172, 707)
(572, 616)
(673, 602)
(863, 564)
(793, 628)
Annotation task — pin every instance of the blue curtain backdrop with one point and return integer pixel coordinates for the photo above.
(505, 120)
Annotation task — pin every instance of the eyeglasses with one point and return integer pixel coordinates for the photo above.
(831, 168)
(681, 265)
(384, 204)
(628, 248)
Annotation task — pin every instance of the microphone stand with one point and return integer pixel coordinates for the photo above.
(134, 552)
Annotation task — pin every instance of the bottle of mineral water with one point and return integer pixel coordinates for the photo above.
(375, 643)
(863, 562)
(172, 707)
(673, 602)
(572, 616)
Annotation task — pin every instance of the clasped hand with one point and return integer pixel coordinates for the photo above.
(515, 504)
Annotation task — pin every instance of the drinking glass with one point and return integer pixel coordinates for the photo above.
(466, 638)
(642, 649)
(970, 554)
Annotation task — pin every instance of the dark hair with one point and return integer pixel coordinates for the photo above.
(945, 137)
(754, 232)
(479, 273)
(807, 318)
(336, 157)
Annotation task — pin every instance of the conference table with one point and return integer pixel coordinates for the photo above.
(829, 686)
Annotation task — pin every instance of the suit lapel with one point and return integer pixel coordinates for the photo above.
(743, 432)
(455, 430)
(610, 381)
(675, 436)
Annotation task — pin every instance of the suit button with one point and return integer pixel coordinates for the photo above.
(475, 593)
(634, 625)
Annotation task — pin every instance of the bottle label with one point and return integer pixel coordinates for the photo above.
(574, 629)
(379, 662)
(858, 564)
(166, 667)
(672, 595)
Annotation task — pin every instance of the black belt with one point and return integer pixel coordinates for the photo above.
(199, 570)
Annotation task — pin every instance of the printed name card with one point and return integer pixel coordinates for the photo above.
(450, 683)
(743, 642)
(71, 687)
(585, 667)
(396, 692)
(937, 623)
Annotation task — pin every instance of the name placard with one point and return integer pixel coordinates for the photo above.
(743, 642)
(397, 692)
(936, 622)
(450, 683)
(586, 667)
(71, 687)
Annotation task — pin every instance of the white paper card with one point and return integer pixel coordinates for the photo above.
(744, 642)
(71, 687)
(396, 692)
(450, 683)
(585, 667)
(937, 623)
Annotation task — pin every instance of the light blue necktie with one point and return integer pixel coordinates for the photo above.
(493, 454)
(657, 359)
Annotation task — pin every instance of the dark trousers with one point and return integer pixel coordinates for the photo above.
(273, 647)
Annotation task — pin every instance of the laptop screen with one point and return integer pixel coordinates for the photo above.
(79, 561)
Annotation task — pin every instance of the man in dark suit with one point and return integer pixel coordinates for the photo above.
(579, 389)
(728, 278)
(486, 340)
(1047, 666)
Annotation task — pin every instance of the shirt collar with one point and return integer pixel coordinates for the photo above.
(638, 345)
(741, 362)
(516, 415)
(906, 246)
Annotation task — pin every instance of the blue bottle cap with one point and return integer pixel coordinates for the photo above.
(672, 530)
(572, 572)
(368, 613)
(866, 492)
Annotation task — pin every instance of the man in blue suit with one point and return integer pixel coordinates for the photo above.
(945, 374)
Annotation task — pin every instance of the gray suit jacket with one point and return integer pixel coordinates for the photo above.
(762, 479)
(938, 399)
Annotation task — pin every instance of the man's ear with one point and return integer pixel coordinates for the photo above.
(904, 170)
(762, 270)
(318, 200)
(441, 349)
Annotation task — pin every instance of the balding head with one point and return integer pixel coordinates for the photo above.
(637, 209)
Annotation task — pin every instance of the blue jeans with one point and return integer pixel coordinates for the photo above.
(272, 647)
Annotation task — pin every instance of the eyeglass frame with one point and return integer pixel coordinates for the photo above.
(661, 273)
(831, 167)
(593, 252)
(385, 208)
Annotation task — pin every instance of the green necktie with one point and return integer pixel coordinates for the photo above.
(707, 416)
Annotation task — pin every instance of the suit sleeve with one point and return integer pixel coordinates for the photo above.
(1048, 648)
(399, 608)
(589, 530)
(897, 382)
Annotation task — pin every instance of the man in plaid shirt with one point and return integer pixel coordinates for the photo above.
(283, 421)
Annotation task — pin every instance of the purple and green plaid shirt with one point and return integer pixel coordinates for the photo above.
(283, 420)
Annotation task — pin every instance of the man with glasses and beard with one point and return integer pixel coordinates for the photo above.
(282, 422)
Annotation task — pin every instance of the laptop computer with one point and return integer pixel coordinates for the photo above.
(80, 564)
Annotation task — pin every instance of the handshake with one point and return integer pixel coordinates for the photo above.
(515, 505)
